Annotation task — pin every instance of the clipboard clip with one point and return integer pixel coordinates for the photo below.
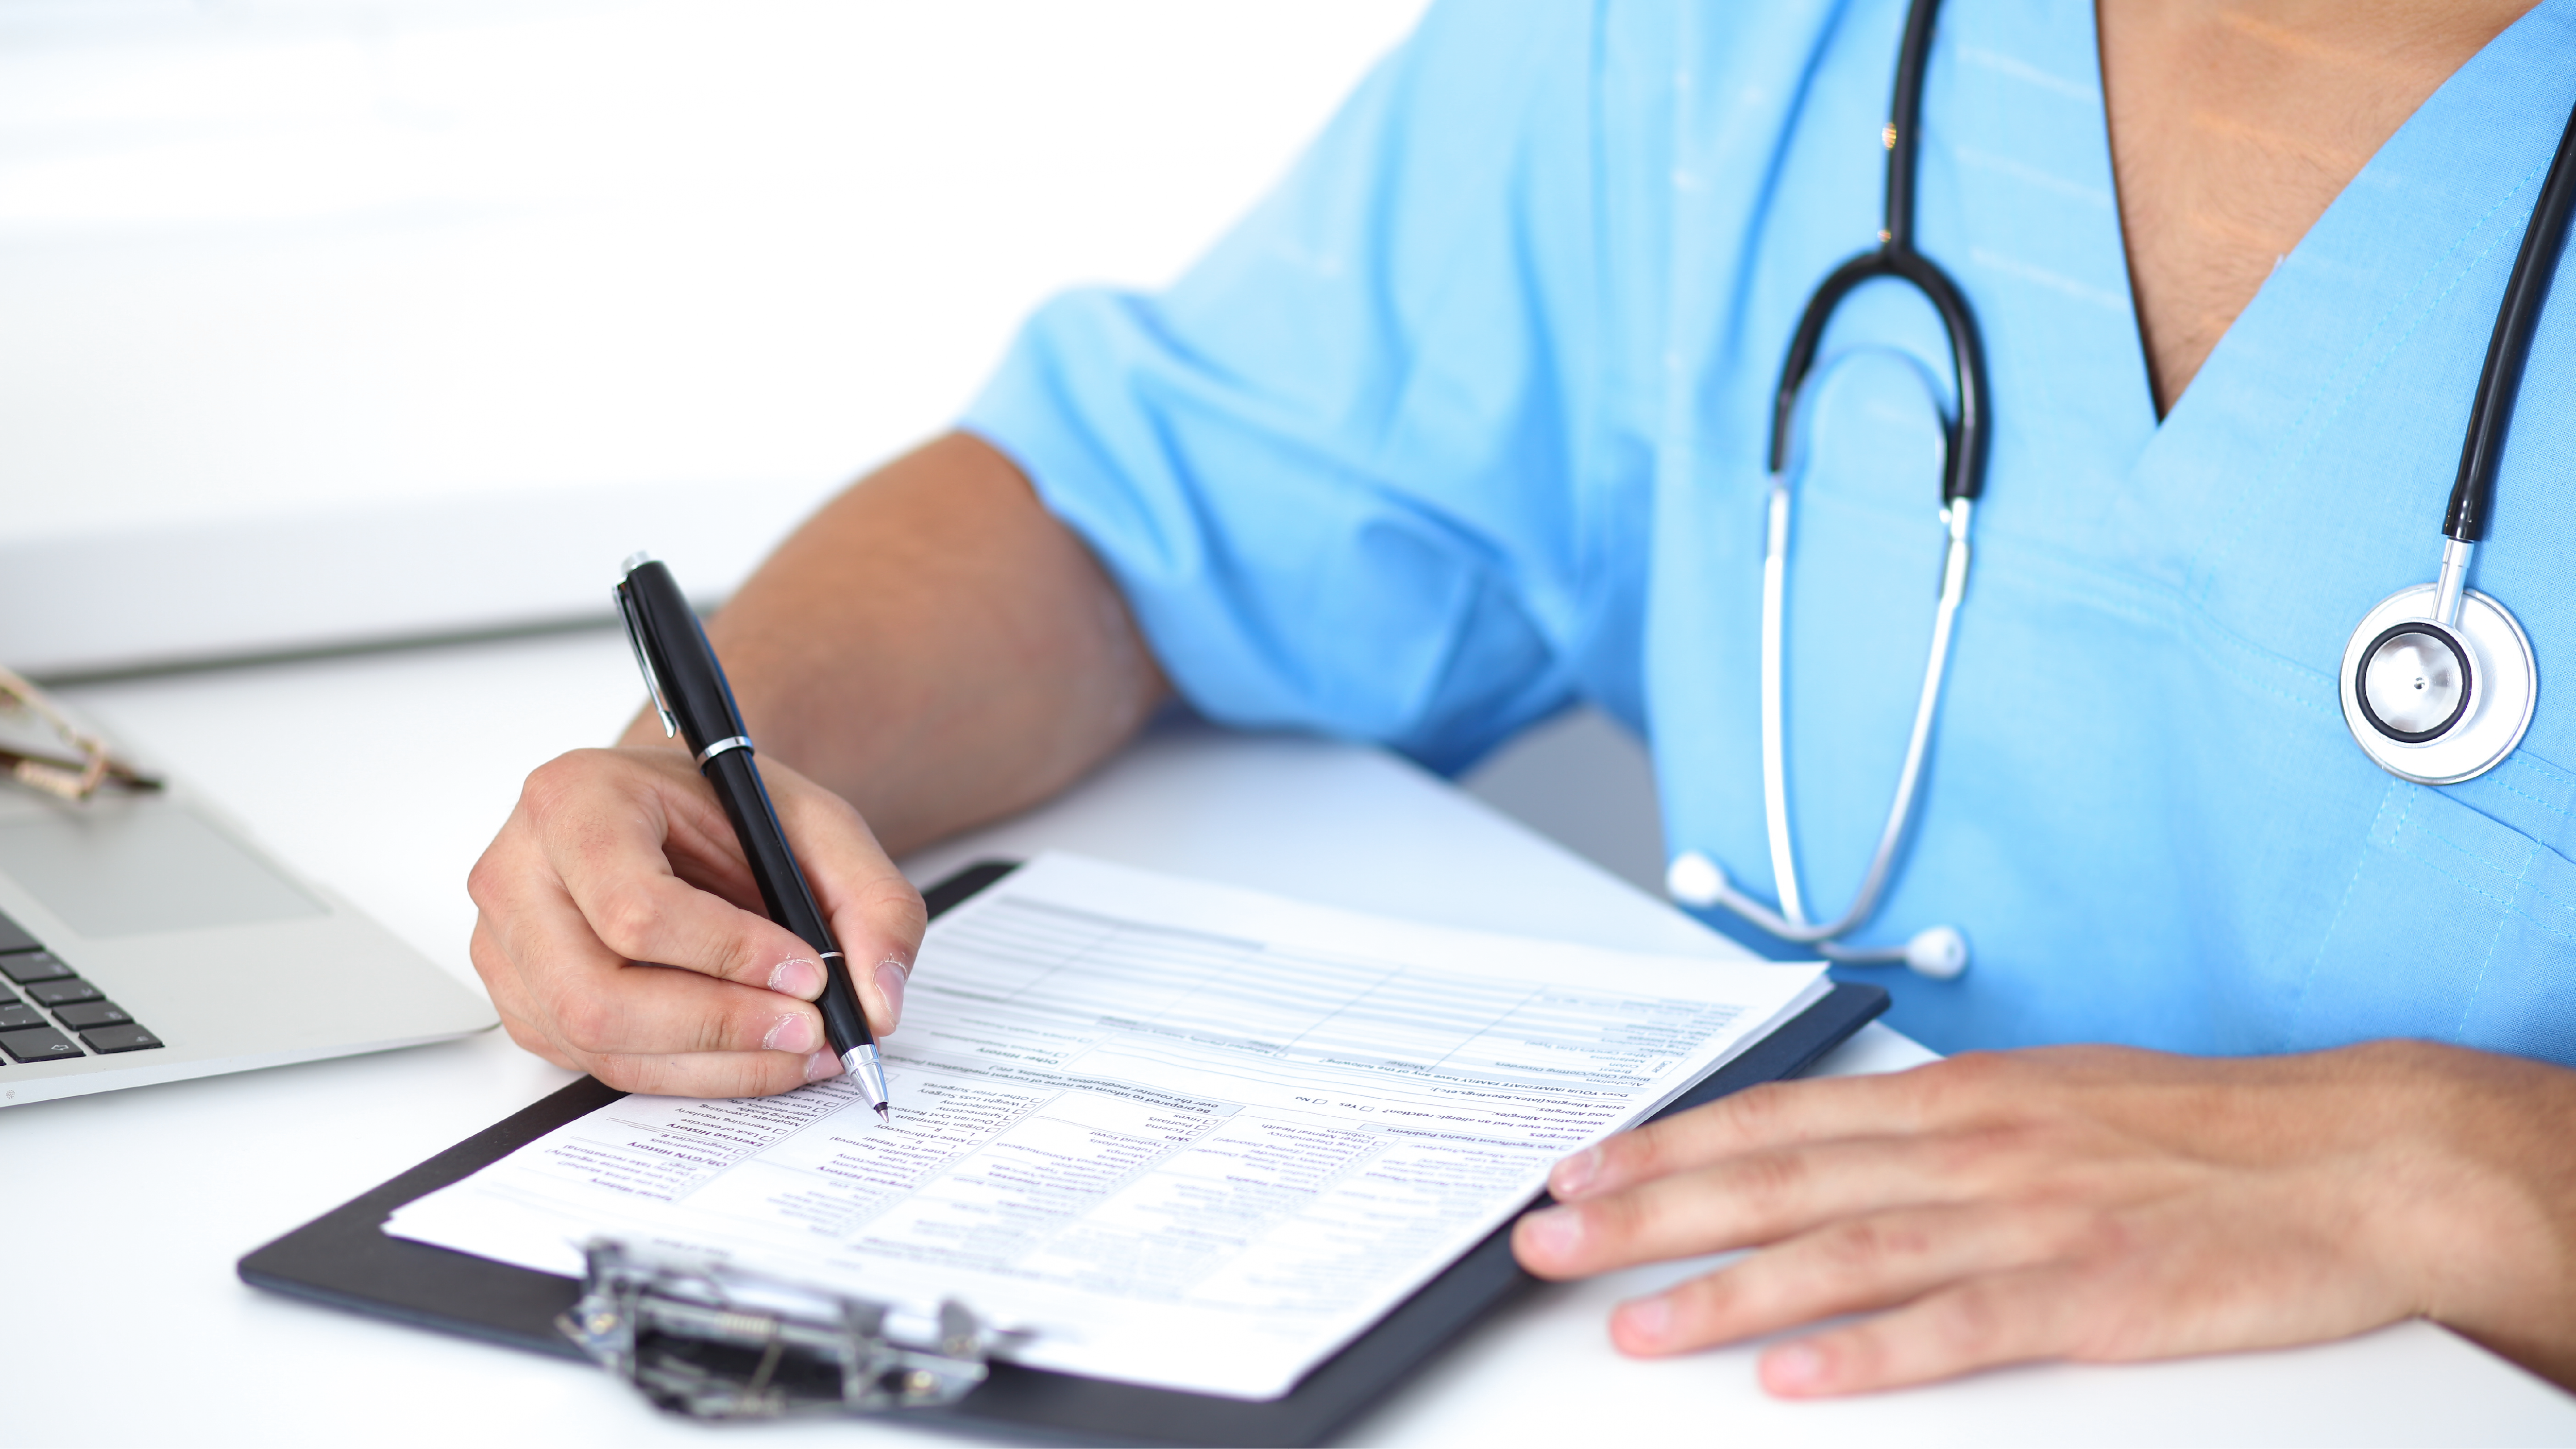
(713, 1342)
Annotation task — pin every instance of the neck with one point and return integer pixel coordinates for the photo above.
(2236, 123)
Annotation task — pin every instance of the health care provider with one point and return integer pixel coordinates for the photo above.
(1469, 422)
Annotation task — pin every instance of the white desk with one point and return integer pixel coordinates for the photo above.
(124, 1212)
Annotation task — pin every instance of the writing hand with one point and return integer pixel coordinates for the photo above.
(620, 932)
(2091, 1203)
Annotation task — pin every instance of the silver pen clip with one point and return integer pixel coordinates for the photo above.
(635, 641)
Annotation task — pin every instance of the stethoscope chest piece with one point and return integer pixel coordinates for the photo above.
(2438, 682)
(2435, 703)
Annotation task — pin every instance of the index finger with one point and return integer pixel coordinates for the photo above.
(1774, 1115)
(605, 826)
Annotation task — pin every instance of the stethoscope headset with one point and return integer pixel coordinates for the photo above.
(2438, 682)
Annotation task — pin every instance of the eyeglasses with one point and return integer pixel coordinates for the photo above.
(92, 764)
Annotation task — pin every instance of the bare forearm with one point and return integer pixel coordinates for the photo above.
(936, 647)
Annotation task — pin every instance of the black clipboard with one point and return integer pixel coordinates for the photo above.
(342, 1259)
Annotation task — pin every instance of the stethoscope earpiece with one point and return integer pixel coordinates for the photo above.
(1938, 952)
(1694, 880)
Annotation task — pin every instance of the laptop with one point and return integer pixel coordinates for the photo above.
(143, 939)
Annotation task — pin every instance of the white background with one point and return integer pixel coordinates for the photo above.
(356, 320)
(304, 299)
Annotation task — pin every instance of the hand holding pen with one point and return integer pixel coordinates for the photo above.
(696, 703)
(621, 930)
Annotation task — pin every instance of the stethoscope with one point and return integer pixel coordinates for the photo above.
(2438, 682)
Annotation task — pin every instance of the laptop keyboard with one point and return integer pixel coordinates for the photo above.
(49, 1014)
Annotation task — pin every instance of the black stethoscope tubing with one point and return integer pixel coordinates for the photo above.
(2526, 291)
(1964, 459)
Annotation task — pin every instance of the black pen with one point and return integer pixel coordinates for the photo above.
(689, 689)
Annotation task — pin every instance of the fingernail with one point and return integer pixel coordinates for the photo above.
(822, 1064)
(1569, 1176)
(793, 1033)
(1792, 1367)
(890, 982)
(1647, 1320)
(797, 977)
(1553, 1230)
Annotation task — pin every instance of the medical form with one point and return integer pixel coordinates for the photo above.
(1178, 1134)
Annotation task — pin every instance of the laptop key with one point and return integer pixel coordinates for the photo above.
(14, 937)
(127, 1038)
(89, 1015)
(18, 1016)
(33, 966)
(63, 992)
(45, 1045)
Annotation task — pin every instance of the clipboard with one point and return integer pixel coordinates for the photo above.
(342, 1259)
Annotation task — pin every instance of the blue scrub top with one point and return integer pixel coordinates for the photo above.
(1467, 422)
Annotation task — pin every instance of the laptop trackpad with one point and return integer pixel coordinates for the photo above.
(129, 867)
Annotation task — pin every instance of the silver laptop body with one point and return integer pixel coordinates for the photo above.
(144, 939)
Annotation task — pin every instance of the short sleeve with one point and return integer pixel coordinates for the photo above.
(1331, 467)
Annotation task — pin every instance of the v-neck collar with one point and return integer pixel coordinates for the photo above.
(2453, 184)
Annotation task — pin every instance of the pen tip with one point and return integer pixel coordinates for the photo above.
(885, 1113)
